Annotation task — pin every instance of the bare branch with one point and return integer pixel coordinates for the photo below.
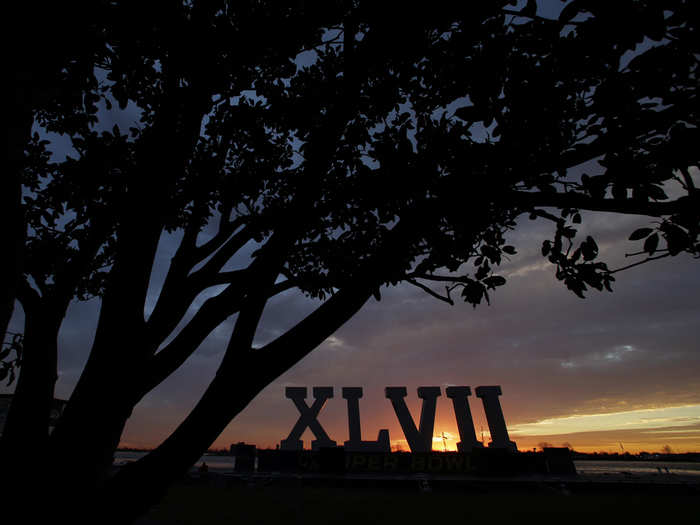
(579, 201)
(426, 289)
(233, 277)
(438, 278)
(689, 185)
(212, 313)
(226, 250)
(648, 259)
(180, 288)
(643, 252)
(549, 216)
(226, 229)
(315, 328)
(27, 295)
(189, 239)
(450, 289)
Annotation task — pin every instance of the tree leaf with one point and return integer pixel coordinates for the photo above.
(641, 233)
(676, 238)
(589, 248)
(651, 243)
(494, 280)
(569, 232)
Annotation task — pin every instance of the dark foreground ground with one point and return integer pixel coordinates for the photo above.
(264, 502)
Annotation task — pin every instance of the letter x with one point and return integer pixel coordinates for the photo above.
(308, 417)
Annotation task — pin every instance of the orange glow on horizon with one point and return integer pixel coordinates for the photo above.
(640, 430)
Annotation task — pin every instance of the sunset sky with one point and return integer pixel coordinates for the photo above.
(616, 370)
(611, 371)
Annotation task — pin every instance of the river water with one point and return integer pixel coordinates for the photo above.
(637, 467)
(220, 464)
(225, 464)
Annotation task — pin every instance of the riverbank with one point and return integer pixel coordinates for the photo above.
(225, 464)
(220, 500)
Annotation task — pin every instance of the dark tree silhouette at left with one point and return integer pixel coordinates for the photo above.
(51, 58)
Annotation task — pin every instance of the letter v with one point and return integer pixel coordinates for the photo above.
(419, 439)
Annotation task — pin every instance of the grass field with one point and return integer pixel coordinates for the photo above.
(211, 505)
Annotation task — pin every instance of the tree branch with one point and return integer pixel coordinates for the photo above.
(528, 200)
(212, 313)
(431, 292)
(226, 250)
(233, 277)
(180, 287)
(546, 215)
(648, 259)
(305, 336)
(27, 295)
(226, 229)
(689, 186)
(438, 278)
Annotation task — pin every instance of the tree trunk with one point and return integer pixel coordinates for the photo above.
(138, 486)
(83, 444)
(12, 233)
(103, 400)
(106, 392)
(24, 451)
(88, 433)
(241, 377)
(27, 424)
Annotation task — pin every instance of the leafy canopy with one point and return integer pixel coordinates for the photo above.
(380, 143)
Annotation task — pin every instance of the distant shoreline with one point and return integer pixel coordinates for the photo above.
(686, 457)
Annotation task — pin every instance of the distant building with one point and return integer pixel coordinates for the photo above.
(242, 449)
(245, 457)
(56, 410)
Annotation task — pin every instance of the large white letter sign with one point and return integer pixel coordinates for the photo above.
(494, 417)
(463, 415)
(355, 443)
(421, 439)
(307, 418)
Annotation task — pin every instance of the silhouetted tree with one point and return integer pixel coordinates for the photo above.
(353, 145)
(48, 70)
